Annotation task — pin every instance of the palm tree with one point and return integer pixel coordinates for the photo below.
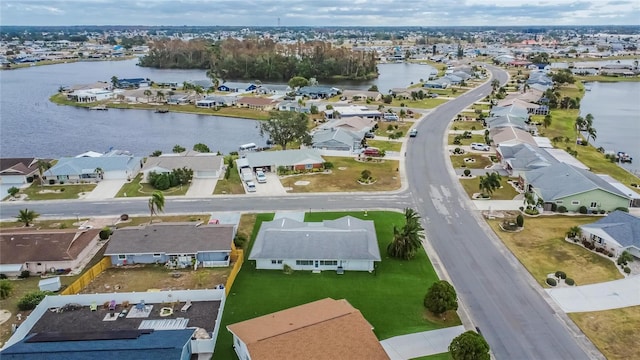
(6, 288)
(489, 183)
(214, 77)
(588, 121)
(495, 84)
(592, 133)
(547, 121)
(408, 240)
(156, 204)
(573, 232)
(199, 90)
(27, 216)
(42, 167)
(99, 172)
(160, 95)
(114, 81)
(148, 94)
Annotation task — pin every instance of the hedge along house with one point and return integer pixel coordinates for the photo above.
(566, 185)
(617, 232)
(347, 243)
(294, 159)
(204, 165)
(178, 245)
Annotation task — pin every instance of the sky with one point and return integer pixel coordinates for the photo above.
(320, 12)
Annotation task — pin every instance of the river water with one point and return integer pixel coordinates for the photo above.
(32, 126)
(616, 111)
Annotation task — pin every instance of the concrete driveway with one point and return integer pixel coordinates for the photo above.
(273, 186)
(201, 187)
(424, 343)
(106, 189)
(595, 297)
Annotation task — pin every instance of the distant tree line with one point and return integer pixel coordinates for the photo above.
(262, 59)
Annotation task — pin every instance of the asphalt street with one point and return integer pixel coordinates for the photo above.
(499, 294)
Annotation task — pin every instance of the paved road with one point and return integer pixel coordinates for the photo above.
(502, 298)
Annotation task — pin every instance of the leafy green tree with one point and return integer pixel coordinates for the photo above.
(373, 88)
(624, 258)
(298, 82)
(13, 191)
(200, 147)
(547, 121)
(285, 127)
(178, 149)
(441, 297)
(114, 81)
(489, 183)
(27, 216)
(156, 153)
(495, 84)
(160, 95)
(215, 78)
(156, 204)
(408, 239)
(573, 232)
(6, 288)
(469, 346)
(30, 300)
(563, 76)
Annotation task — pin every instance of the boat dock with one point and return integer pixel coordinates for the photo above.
(99, 107)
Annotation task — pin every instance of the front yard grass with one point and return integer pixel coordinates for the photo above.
(385, 145)
(614, 332)
(426, 103)
(345, 174)
(232, 185)
(46, 224)
(541, 248)
(506, 192)
(481, 161)
(136, 188)
(144, 220)
(467, 125)
(466, 141)
(57, 192)
(390, 299)
(386, 128)
(441, 356)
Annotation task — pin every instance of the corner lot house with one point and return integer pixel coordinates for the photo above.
(111, 166)
(294, 159)
(323, 329)
(204, 165)
(347, 243)
(40, 252)
(617, 232)
(175, 244)
(18, 171)
(572, 188)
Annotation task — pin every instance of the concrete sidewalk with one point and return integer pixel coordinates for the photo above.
(424, 343)
(595, 297)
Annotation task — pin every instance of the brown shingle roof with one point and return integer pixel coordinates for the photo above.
(255, 101)
(324, 329)
(15, 166)
(20, 246)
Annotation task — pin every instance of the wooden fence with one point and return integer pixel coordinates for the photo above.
(87, 277)
(239, 255)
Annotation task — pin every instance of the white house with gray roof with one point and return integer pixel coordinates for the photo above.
(337, 139)
(93, 169)
(204, 165)
(617, 232)
(347, 243)
(519, 158)
(571, 187)
(294, 159)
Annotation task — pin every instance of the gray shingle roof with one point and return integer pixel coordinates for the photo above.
(83, 165)
(561, 180)
(284, 158)
(347, 238)
(525, 157)
(621, 226)
(340, 135)
(171, 238)
(202, 162)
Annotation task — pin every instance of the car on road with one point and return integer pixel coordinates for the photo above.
(480, 146)
(261, 177)
(413, 133)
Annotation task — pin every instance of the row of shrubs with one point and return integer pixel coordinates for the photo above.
(560, 275)
(589, 245)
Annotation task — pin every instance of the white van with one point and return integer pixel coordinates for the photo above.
(248, 147)
(480, 146)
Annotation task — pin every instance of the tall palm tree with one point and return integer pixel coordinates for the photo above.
(159, 95)
(42, 167)
(408, 239)
(489, 183)
(213, 75)
(588, 121)
(27, 216)
(148, 94)
(114, 81)
(156, 204)
(573, 232)
(547, 121)
(495, 84)
(592, 133)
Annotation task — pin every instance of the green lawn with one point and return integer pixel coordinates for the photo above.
(481, 161)
(604, 78)
(390, 299)
(507, 192)
(232, 185)
(442, 356)
(57, 192)
(466, 141)
(135, 188)
(386, 128)
(385, 145)
(428, 103)
(467, 125)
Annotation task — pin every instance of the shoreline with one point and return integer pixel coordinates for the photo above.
(63, 61)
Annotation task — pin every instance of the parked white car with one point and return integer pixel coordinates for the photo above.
(251, 186)
(262, 178)
(480, 146)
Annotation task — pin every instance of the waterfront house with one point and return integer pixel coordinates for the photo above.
(92, 169)
(355, 124)
(133, 83)
(90, 95)
(18, 171)
(44, 251)
(294, 159)
(361, 95)
(507, 120)
(257, 103)
(323, 329)
(343, 244)
(212, 101)
(617, 232)
(440, 83)
(522, 157)
(178, 245)
(293, 106)
(204, 165)
(352, 110)
(509, 135)
(178, 99)
(571, 187)
(337, 139)
(318, 92)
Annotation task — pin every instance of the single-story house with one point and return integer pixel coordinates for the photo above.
(133, 83)
(90, 95)
(293, 106)
(507, 136)
(512, 110)
(337, 139)
(571, 187)
(401, 93)
(440, 83)
(352, 110)
(520, 158)
(532, 108)
(92, 169)
(237, 87)
(323, 329)
(351, 123)
(617, 232)
(176, 244)
(257, 103)
(357, 95)
(204, 165)
(178, 99)
(346, 243)
(18, 171)
(40, 252)
(318, 92)
(539, 77)
(294, 159)
(507, 120)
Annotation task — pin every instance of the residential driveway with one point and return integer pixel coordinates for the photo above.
(420, 344)
(603, 296)
(201, 187)
(273, 186)
(106, 189)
